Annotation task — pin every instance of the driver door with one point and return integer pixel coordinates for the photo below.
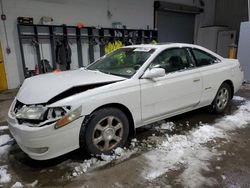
(179, 90)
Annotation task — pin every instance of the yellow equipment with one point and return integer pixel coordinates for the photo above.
(232, 51)
(111, 46)
(3, 80)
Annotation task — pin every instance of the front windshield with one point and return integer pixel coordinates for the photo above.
(122, 62)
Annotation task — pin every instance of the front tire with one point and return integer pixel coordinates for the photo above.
(222, 98)
(106, 130)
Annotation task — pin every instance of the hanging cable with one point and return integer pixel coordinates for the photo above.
(3, 18)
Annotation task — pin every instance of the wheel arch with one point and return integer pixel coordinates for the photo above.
(230, 83)
(121, 107)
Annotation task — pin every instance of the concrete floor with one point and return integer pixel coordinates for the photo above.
(6, 98)
(230, 167)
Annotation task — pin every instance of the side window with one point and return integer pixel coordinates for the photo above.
(202, 58)
(172, 60)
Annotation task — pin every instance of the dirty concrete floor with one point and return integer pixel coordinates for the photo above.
(231, 169)
(6, 97)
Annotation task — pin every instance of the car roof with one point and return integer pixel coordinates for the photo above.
(163, 45)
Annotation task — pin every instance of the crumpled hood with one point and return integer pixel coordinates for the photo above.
(40, 89)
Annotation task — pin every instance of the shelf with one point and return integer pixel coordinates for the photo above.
(79, 35)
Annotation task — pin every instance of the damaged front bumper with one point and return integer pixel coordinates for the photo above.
(45, 142)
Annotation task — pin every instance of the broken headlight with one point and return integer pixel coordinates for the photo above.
(31, 112)
(37, 115)
(57, 112)
(71, 116)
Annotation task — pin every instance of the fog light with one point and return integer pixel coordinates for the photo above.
(38, 150)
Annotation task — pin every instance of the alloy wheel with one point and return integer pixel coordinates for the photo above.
(107, 133)
(222, 98)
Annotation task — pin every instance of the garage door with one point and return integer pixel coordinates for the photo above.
(175, 27)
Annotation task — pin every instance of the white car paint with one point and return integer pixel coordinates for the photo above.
(181, 93)
(148, 100)
(46, 86)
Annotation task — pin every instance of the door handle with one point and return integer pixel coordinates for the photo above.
(197, 80)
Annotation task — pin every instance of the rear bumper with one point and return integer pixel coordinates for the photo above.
(42, 143)
(238, 82)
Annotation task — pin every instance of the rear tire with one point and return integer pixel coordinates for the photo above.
(107, 129)
(222, 98)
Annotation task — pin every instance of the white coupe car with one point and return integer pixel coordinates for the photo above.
(99, 107)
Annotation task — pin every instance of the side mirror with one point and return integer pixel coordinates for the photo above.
(154, 73)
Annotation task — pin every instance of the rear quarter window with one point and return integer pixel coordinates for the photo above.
(203, 58)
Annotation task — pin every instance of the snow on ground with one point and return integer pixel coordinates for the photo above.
(190, 150)
(237, 120)
(183, 150)
(120, 154)
(238, 98)
(20, 185)
(17, 185)
(4, 149)
(170, 126)
(4, 176)
(4, 138)
(33, 184)
(2, 128)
